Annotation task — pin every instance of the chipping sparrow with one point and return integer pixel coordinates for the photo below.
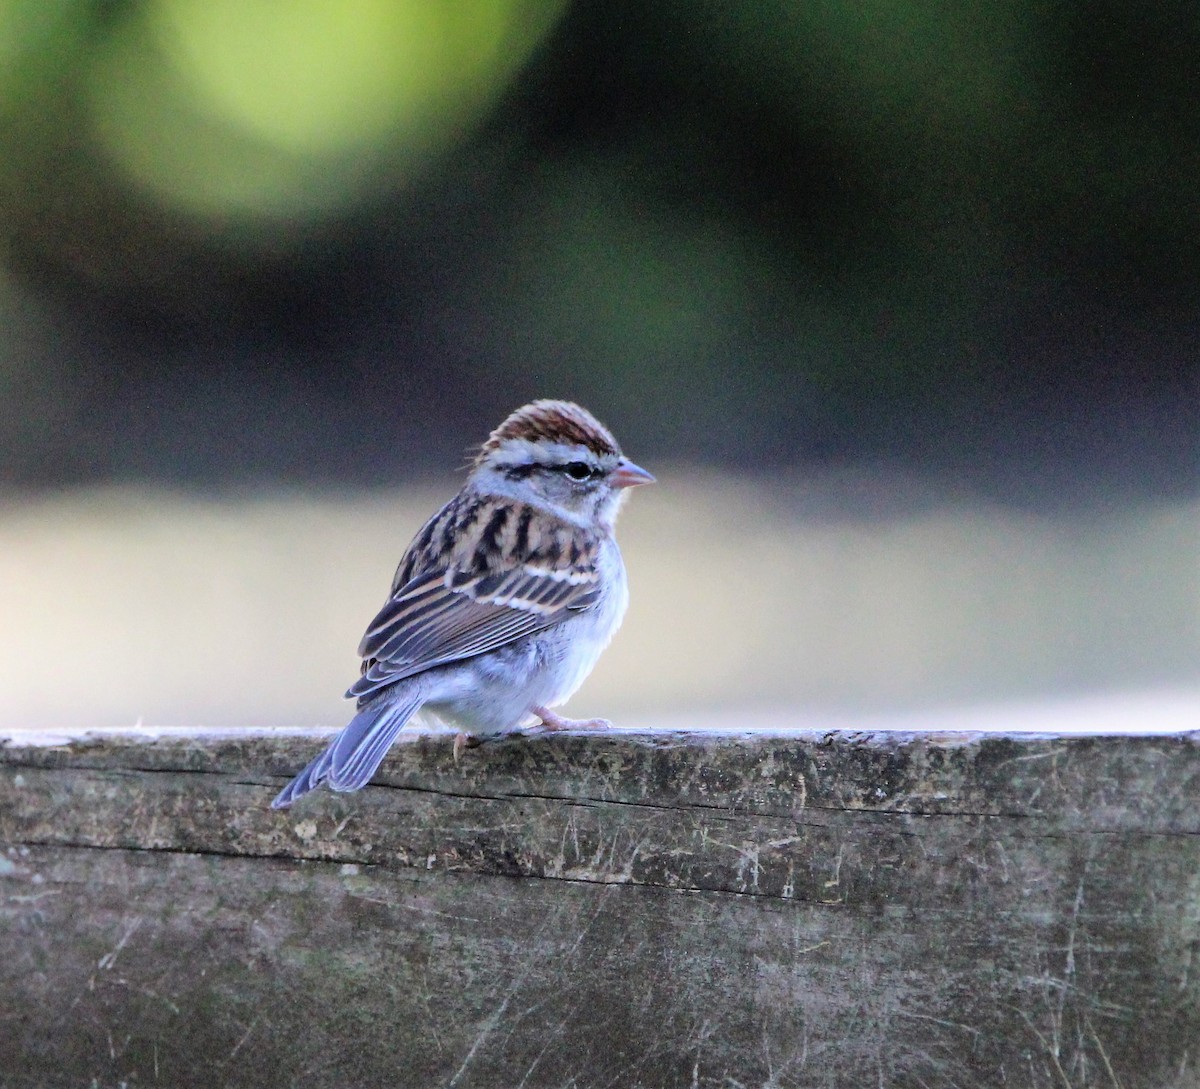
(504, 600)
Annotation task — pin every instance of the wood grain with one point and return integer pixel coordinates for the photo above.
(652, 910)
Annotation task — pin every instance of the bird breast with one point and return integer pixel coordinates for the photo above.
(578, 643)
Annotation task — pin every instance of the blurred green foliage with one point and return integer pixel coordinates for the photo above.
(889, 69)
(32, 35)
(749, 228)
(969, 124)
(254, 108)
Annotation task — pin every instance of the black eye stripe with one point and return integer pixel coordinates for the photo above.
(579, 471)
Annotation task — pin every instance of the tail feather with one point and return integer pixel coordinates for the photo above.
(309, 779)
(354, 755)
(360, 748)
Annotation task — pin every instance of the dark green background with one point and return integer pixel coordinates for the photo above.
(958, 235)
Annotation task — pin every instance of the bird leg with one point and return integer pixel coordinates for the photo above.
(551, 721)
(462, 741)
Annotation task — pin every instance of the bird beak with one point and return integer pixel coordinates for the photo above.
(628, 475)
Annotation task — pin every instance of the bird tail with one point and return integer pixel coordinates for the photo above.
(353, 756)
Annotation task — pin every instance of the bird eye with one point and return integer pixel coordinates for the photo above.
(578, 470)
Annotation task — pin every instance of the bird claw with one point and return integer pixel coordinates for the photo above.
(551, 721)
(462, 741)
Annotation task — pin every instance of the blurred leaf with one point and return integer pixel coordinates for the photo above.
(895, 67)
(33, 37)
(225, 107)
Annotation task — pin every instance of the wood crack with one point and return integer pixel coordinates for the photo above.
(293, 857)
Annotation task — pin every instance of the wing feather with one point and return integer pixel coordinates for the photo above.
(456, 609)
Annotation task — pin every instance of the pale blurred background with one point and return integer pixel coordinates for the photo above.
(901, 302)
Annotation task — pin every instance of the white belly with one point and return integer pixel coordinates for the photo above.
(494, 692)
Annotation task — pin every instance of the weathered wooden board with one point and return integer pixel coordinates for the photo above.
(605, 910)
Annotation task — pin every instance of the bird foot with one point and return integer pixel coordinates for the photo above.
(551, 721)
(464, 741)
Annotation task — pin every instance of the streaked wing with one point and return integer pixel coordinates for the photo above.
(464, 609)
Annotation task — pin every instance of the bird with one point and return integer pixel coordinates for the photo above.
(503, 602)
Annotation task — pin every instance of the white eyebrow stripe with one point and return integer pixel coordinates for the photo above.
(523, 451)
